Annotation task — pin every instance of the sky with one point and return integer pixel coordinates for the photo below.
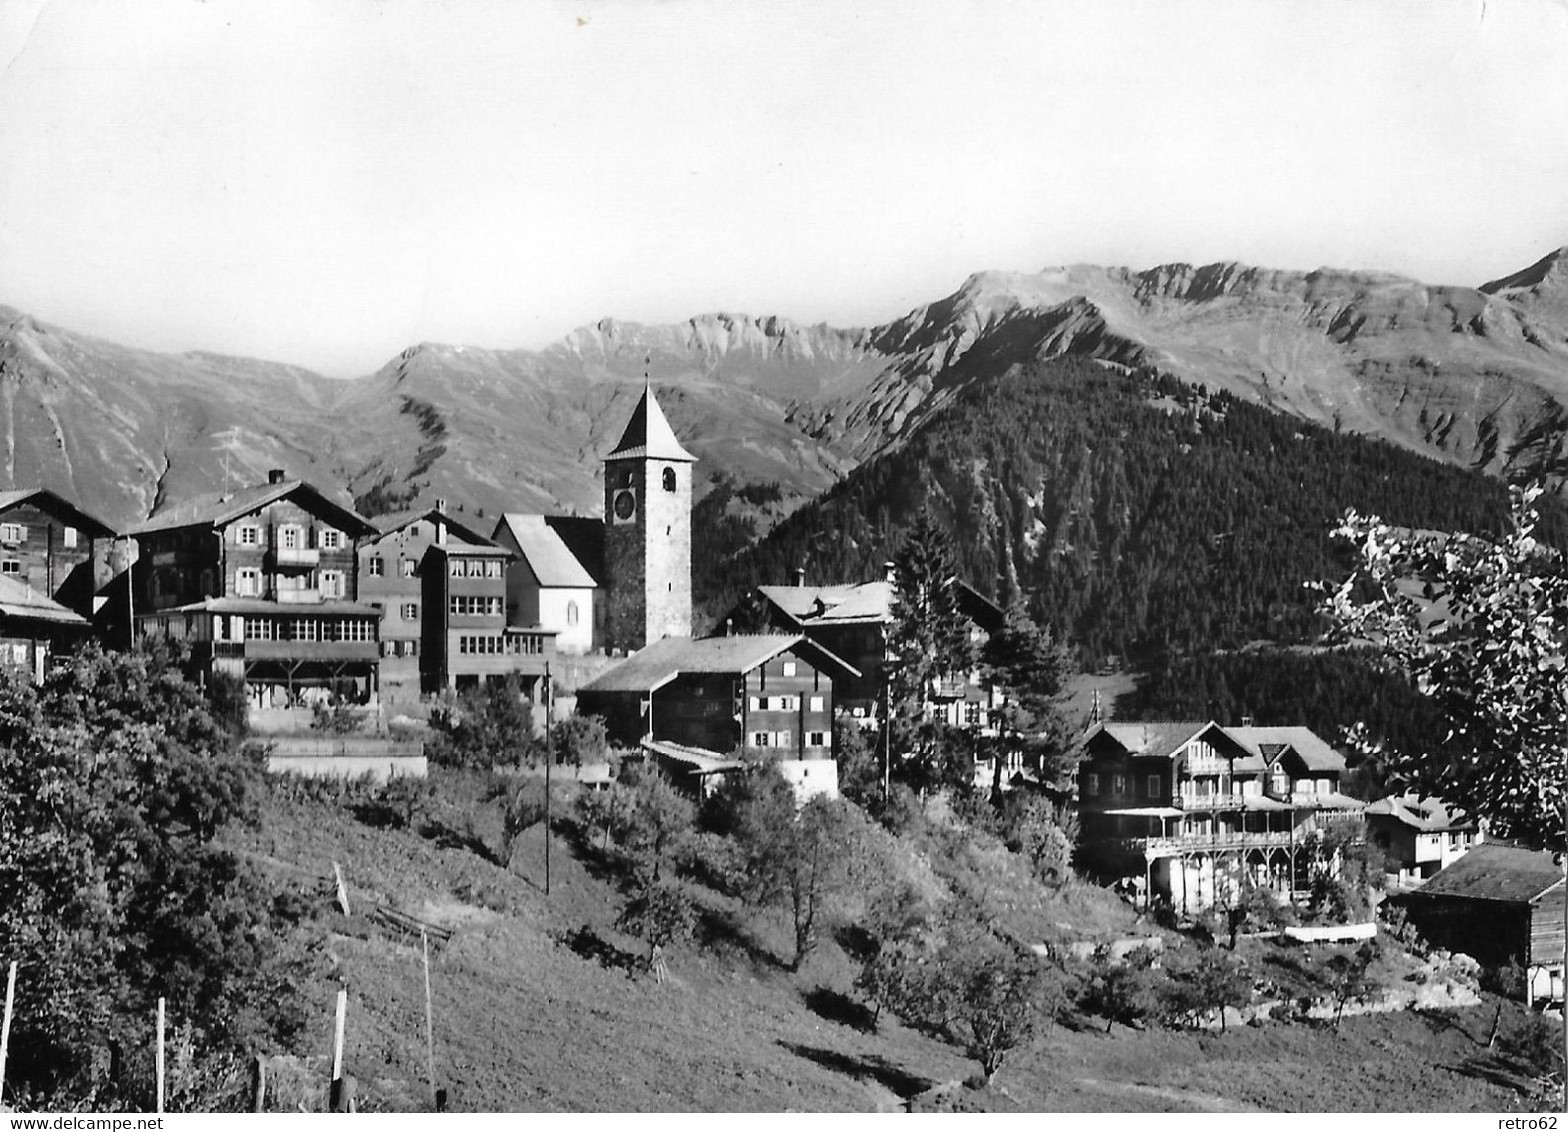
(329, 182)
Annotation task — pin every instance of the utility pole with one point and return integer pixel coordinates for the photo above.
(549, 757)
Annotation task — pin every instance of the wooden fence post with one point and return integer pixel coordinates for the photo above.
(258, 1084)
(159, 1055)
(335, 1099)
(430, 1043)
(5, 1028)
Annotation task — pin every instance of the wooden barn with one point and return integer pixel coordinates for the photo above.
(1497, 904)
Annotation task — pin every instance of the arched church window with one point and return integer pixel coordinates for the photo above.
(669, 479)
(571, 613)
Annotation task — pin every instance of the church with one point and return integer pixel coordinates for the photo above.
(618, 585)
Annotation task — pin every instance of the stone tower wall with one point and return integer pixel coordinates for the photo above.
(648, 561)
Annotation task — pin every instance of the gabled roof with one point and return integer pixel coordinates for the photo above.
(860, 602)
(1313, 751)
(58, 506)
(1429, 815)
(218, 510)
(20, 601)
(648, 434)
(546, 553)
(393, 522)
(1155, 739)
(1493, 871)
(651, 668)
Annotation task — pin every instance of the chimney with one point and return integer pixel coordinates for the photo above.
(441, 506)
(1246, 721)
(729, 626)
(889, 572)
(440, 526)
(800, 576)
(275, 475)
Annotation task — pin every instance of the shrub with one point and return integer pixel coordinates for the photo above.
(485, 728)
(404, 802)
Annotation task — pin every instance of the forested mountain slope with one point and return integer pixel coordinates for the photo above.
(1138, 515)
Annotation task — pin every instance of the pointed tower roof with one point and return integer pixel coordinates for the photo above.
(649, 435)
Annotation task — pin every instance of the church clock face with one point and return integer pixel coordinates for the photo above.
(624, 506)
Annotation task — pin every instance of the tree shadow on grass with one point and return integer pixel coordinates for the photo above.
(715, 930)
(867, 1067)
(444, 836)
(834, 1006)
(589, 944)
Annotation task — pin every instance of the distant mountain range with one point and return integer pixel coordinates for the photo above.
(1475, 376)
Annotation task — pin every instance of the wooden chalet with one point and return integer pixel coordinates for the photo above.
(1498, 903)
(852, 621)
(53, 547)
(263, 585)
(33, 628)
(1192, 811)
(769, 694)
(1419, 836)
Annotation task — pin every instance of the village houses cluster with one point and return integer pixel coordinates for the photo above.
(301, 601)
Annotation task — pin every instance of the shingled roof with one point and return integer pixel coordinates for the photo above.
(1428, 815)
(20, 601)
(217, 509)
(1492, 871)
(1314, 752)
(656, 665)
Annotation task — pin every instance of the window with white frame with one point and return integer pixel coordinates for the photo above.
(762, 739)
(68, 536)
(1118, 784)
(247, 534)
(407, 567)
(247, 581)
(789, 668)
(332, 583)
(571, 613)
(291, 537)
(816, 738)
(818, 703)
(11, 566)
(376, 565)
(328, 538)
(409, 611)
(13, 532)
(493, 568)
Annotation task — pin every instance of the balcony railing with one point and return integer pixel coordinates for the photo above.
(296, 556)
(1224, 839)
(1207, 801)
(298, 597)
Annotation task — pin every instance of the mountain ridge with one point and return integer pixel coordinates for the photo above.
(1472, 375)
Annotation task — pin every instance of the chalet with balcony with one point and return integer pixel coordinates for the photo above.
(853, 622)
(1193, 811)
(768, 695)
(1419, 836)
(263, 584)
(53, 547)
(392, 579)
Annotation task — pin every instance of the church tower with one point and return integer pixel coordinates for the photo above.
(647, 535)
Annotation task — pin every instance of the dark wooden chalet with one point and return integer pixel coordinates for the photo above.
(52, 546)
(1192, 810)
(762, 694)
(263, 584)
(1498, 903)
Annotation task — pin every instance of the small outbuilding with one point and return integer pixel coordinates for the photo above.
(1499, 904)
